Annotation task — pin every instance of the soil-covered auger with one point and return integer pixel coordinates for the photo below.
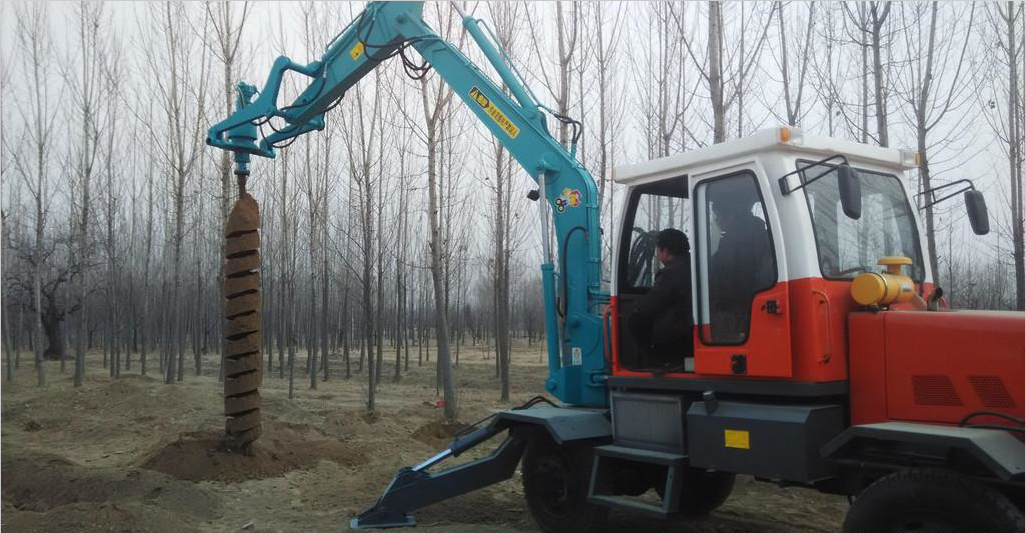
(242, 372)
(799, 363)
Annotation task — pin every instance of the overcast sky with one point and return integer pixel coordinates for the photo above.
(979, 158)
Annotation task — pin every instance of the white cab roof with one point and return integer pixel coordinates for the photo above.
(766, 141)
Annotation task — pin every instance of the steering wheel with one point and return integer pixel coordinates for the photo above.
(639, 258)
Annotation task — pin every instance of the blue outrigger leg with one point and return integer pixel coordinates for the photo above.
(415, 488)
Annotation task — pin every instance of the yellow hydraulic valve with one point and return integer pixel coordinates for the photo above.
(884, 288)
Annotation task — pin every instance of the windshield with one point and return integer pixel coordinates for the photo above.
(849, 247)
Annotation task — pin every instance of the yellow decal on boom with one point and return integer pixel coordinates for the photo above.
(356, 51)
(734, 438)
(498, 116)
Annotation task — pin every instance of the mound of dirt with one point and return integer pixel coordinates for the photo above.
(438, 433)
(42, 483)
(203, 455)
(102, 517)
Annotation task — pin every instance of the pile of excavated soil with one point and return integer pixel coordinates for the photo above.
(58, 495)
(100, 517)
(203, 455)
(438, 433)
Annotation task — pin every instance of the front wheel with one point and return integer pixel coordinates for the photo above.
(931, 501)
(556, 486)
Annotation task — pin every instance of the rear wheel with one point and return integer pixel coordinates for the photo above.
(556, 486)
(931, 501)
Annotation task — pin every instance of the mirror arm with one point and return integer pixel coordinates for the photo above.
(933, 192)
(785, 190)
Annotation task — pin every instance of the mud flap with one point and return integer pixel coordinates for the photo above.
(414, 488)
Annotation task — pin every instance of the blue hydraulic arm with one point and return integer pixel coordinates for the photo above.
(568, 197)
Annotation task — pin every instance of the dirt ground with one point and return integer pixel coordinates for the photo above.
(135, 455)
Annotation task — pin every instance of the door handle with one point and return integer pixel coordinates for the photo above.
(829, 339)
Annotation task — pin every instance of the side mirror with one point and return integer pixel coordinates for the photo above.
(850, 191)
(976, 207)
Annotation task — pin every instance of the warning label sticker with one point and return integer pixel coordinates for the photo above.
(356, 51)
(734, 438)
(498, 116)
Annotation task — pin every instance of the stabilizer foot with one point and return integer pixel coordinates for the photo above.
(400, 520)
(414, 488)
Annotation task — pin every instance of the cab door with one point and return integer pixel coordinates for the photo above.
(650, 208)
(741, 293)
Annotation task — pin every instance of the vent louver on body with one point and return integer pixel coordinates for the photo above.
(992, 392)
(934, 390)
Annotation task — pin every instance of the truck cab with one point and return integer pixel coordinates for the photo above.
(772, 304)
(783, 370)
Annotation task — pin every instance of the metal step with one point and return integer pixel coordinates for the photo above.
(674, 463)
(639, 455)
(625, 504)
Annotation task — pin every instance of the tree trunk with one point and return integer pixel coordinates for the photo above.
(325, 332)
(1015, 151)
(52, 327)
(441, 316)
(716, 72)
(878, 20)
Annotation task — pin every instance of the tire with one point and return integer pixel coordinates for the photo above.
(702, 492)
(931, 501)
(556, 482)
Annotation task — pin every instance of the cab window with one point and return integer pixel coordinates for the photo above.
(653, 208)
(847, 247)
(736, 258)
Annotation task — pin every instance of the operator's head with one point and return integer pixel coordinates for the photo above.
(732, 200)
(670, 244)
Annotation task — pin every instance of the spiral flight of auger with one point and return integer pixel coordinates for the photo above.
(242, 366)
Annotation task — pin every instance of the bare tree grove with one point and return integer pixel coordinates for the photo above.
(402, 230)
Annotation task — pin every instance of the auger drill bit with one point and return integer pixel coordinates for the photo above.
(242, 366)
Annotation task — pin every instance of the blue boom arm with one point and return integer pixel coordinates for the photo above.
(569, 200)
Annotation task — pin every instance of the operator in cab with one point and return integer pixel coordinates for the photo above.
(742, 263)
(661, 321)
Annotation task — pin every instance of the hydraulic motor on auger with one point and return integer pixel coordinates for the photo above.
(798, 361)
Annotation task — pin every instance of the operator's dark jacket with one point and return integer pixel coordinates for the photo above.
(668, 302)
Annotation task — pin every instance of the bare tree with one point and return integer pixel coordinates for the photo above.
(111, 203)
(795, 88)
(829, 71)
(606, 46)
(935, 83)
(728, 73)
(505, 17)
(39, 114)
(715, 73)
(86, 92)
(745, 58)
(435, 98)
(568, 49)
(869, 30)
(227, 23)
(1007, 30)
(363, 124)
(181, 98)
(8, 336)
